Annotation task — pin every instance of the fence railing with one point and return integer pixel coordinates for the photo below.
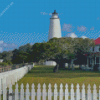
(11, 67)
(62, 95)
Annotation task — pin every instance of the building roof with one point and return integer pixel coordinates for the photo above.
(97, 41)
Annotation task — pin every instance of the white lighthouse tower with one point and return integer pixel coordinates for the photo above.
(54, 28)
(54, 31)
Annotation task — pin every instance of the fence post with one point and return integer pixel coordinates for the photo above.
(66, 92)
(72, 92)
(83, 92)
(61, 92)
(39, 92)
(55, 91)
(16, 92)
(27, 91)
(99, 92)
(44, 92)
(89, 93)
(10, 92)
(22, 92)
(94, 92)
(4, 88)
(33, 92)
(0, 88)
(49, 92)
(77, 92)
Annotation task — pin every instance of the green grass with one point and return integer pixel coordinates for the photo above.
(44, 74)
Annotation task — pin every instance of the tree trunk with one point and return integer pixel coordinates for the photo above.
(68, 66)
(72, 64)
(56, 68)
(23, 61)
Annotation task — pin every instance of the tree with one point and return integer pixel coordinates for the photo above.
(22, 56)
(6, 56)
(15, 59)
(53, 50)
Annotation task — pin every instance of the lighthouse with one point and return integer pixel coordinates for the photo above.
(54, 31)
(54, 27)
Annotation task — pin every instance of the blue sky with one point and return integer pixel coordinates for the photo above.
(27, 21)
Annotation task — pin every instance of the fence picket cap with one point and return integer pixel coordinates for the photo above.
(89, 87)
(72, 86)
(89, 92)
(49, 86)
(44, 86)
(94, 86)
(61, 86)
(27, 87)
(39, 86)
(77, 86)
(55, 86)
(83, 86)
(33, 86)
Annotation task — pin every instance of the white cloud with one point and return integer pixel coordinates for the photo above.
(73, 35)
(67, 27)
(5, 45)
(1, 42)
(1, 49)
(82, 28)
(84, 37)
(50, 13)
(92, 28)
(43, 13)
(32, 43)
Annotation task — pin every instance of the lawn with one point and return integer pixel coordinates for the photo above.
(44, 74)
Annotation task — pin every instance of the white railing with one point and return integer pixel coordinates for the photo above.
(62, 94)
(10, 77)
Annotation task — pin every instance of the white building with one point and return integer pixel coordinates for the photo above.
(94, 58)
(1, 60)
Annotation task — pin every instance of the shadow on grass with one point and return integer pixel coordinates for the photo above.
(47, 71)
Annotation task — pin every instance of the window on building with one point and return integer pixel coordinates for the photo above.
(97, 59)
(93, 48)
(99, 47)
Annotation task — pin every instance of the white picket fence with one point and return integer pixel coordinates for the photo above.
(62, 95)
(10, 77)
